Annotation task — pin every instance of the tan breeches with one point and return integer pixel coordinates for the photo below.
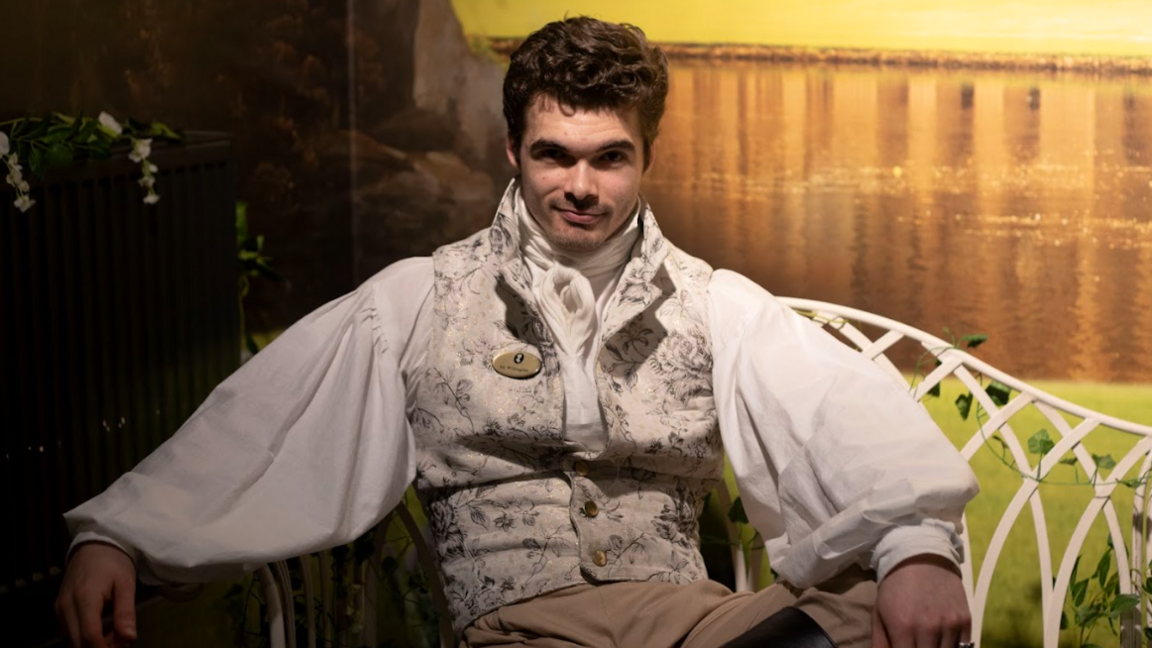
(662, 615)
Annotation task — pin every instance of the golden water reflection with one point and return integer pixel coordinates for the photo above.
(1017, 206)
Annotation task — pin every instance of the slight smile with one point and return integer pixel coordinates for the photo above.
(581, 218)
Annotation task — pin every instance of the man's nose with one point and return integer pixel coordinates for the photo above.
(581, 189)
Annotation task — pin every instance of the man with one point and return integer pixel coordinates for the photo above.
(562, 387)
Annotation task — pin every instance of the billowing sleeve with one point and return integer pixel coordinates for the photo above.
(305, 447)
(835, 462)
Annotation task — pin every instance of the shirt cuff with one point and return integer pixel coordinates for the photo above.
(95, 536)
(932, 536)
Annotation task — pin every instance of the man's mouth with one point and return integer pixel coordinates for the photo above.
(578, 217)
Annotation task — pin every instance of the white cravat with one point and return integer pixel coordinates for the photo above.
(572, 287)
(572, 291)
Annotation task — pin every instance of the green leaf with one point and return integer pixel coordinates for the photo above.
(1133, 482)
(974, 340)
(1078, 591)
(1113, 585)
(999, 392)
(137, 126)
(40, 130)
(57, 133)
(1148, 633)
(241, 222)
(100, 148)
(37, 162)
(1063, 621)
(1123, 603)
(158, 129)
(1103, 567)
(935, 391)
(1104, 461)
(77, 123)
(711, 540)
(1086, 616)
(1040, 443)
(1070, 460)
(964, 405)
(736, 514)
(1148, 585)
(1075, 566)
(87, 128)
(59, 155)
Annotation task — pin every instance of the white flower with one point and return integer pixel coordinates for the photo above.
(152, 168)
(15, 176)
(141, 149)
(147, 181)
(151, 199)
(23, 187)
(110, 124)
(4, 146)
(24, 203)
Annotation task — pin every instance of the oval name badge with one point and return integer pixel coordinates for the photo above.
(516, 364)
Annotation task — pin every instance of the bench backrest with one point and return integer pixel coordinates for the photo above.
(1004, 400)
(996, 401)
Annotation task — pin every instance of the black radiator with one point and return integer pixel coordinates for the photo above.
(116, 320)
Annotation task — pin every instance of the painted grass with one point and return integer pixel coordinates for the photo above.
(1013, 617)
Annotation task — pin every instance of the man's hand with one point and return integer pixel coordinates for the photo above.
(921, 604)
(97, 574)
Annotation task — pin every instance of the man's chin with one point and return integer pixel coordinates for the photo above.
(579, 241)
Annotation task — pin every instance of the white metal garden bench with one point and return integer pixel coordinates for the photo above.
(878, 338)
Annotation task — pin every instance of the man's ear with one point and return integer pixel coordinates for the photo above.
(513, 154)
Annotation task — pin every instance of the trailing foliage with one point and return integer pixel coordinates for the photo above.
(58, 140)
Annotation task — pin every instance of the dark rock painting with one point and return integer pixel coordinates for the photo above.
(365, 131)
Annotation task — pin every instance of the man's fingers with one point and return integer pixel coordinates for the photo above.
(124, 609)
(66, 612)
(89, 609)
(949, 638)
(879, 637)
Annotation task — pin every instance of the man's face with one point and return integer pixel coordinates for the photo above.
(580, 171)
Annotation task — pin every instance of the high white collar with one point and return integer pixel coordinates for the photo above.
(572, 289)
(607, 259)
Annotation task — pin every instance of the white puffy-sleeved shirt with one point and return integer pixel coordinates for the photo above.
(308, 445)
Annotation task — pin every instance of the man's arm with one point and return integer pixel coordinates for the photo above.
(921, 603)
(305, 447)
(836, 464)
(97, 575)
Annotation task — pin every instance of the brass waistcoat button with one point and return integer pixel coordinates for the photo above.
(581, 468)
(600, 558)
(590, 508)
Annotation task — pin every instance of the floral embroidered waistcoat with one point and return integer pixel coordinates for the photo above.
(515, 508)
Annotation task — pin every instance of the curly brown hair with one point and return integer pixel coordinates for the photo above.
(588, 64)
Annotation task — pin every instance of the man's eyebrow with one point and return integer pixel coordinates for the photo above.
(544, 144)
(623, 144)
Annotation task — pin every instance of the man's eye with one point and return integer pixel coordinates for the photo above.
(613, 156)
(551, 154)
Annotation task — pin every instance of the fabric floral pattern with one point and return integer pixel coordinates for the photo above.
(510, 515)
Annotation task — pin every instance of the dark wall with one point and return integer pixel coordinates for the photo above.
(348, 162)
